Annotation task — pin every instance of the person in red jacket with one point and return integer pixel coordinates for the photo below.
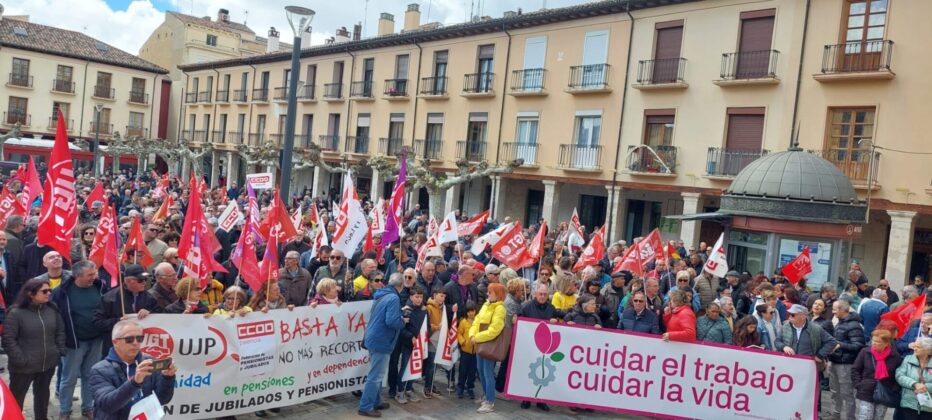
(679, 318)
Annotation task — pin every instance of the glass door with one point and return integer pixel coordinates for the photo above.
(526, 141)
(588, 129)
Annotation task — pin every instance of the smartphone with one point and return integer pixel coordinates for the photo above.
(160, 365)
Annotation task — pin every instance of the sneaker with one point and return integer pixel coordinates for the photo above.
(411, 397)
(89, 415)
(428, 394)
(383, 406)
(262, 413)
(400, 398)
(373, 413)
(486, 407)
(471, 394)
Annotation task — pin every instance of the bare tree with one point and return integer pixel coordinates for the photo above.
(14, 133)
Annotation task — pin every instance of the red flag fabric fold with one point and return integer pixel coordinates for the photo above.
(906, 314)
(59, 215)
(799, 267)
(511, 249)
(593, 253)
(136, 242)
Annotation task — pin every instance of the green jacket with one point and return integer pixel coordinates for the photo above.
(713, 331)
(907, 375)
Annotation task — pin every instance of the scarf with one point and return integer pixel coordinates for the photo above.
(880, 367)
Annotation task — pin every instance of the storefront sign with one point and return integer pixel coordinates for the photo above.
(261, 181)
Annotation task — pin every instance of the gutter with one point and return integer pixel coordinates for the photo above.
(349, 101)
(501, 117)
(417, 80)
(799, 76)
(621, 120)
(83, 98)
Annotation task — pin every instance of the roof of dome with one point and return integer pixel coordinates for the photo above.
(794, 174)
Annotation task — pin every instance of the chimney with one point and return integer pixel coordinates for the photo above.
(357, 31)
(412, 17)
(510, 14)
(223, 16)
(272, 45)
(386, 24)
(342, 35)
(306, 38)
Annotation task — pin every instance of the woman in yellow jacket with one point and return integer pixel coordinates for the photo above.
(492, 315)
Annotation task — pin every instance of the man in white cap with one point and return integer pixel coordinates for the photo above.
(804, 338)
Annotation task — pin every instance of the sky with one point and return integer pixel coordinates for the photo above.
(126, 24)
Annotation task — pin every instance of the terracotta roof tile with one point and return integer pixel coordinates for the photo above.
(236, 26)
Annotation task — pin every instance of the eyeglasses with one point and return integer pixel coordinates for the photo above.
(130, 339)
(153, 230)
(883, 286)
(683, 281)
(45, 291)
(409, 277)
(637, 300)
(291, 258)
(89, 233)
(334, 257)
(379, 280)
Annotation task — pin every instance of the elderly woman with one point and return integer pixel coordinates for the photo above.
(679, 318)
(189, 298)
(269, 296)
(874, 367)
(585, 313)
(712, 327)
(234, 302)
(911, 376)
(328, 292)
(171, 256)
(565, 297)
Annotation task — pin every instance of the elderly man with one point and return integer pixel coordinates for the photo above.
(55, 273)
(164, 288)
(126, 375)
(461, 291)
(827, 293)
(77, 298)
(892, 297)
(335, 269)
(156, 246)
(385, 322)
(613, 294)
(427, 279)
(849, 340)
(294, 281)
(15, 226)
(806, 338)
(135, 300)
(870, 311)
(728, 311)
(638, 317)
(367, 267)
(922, 328)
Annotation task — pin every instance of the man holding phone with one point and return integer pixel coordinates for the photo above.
(126, 376)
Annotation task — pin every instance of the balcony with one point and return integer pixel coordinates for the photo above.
(204, 97)
(525, 151)
(260, 95)
(62, 86)
(357, 145)
(396, 89)
(19, 81)
(329, 143)
(256, 139)
(302, 141)
(470, 150)
(390, 146)
(478, 85)
(17, 117)
(104, 92)
(136, 131)
(190, 97)
(869, 60)
(53, 124)
(138, 97)
(333, 91)
(428, 149)
(726, 163)
(306, 93)
(239, 95)
(222, 96)
(855, 164)
(361, 91)
(589, 78)
(528, 82)
(433, 88)
(281, 94)
(749, 68)
(234, 137)
(651, 160)
(579, 157)
(217, 136)
(199, 136)
(667, 73)
(276, 138)
(106, 129)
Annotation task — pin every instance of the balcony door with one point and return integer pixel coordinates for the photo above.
(753, 61)
(368, 72)
(535, 52)
(526, 139)
(485, 67)
(743, 141)
(865, 23)
(440, 72)
(595, 51)
(361, 145)
(588, 130)
(847, 146)
(667, 45)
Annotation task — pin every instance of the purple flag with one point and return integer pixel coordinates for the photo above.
(396, 205)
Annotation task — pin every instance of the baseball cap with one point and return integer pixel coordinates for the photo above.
(732, 273)
(133, 270)
(798, 309)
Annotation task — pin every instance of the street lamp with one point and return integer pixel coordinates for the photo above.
(300, 19)
(99, 108)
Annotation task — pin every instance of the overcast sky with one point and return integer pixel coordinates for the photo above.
(126, 24)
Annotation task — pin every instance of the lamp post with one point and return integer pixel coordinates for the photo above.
(299, 18)
(98, 108)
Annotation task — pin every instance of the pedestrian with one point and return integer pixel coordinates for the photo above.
(871, 310)
(638, 318)
(911, 378)
(234, 303)
(416, 312)
(34, 339)
(434, 320)
(467, 368)
(492, 316)
(874, 367)
(385, 322)
(328, 292)
(921, 328)
(711, 327)
(849, 339)
(679, 318)
(189, 298)
(746, 334)
(766, 327)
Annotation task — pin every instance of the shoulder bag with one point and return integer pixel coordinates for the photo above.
(496, 349)
(883, 394)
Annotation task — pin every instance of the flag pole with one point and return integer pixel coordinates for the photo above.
(120, 284)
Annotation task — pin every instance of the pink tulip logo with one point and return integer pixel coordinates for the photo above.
(542, 371)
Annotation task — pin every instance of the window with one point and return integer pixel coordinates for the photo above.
(63, 77)
(485, 66)
(64, 107)
(104, 120)
(264, 81)
(526, 138)
(104, 79)
(753, 58)
(658, 127)
(221, 129)
(474, 149)
(337, 72)
(244, 81)
(434, 131)
(668, 39)
(438, 83)
(595, 50)
(138, 92)
(585, 153)
(401, 66)
(307, 127)
(212, 40)
(333, 125)
(745, 129)
(849, 132)
(192, 122)
(865, 21)
(535, 51)
(210, 86)
(17, 111)
(396, 126)
(361, 144)
(226, 83)
(134, 127)
(20, 74)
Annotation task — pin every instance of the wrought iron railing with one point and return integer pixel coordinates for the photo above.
(578, 156)
(659, 159)
(428, 149)
(357, 145)
(525, 151)
(745, 65)
(527, 80)
(589, 77)
(728, 162)
(433, 86)
(855, 164)
(861, 56)
(471, 150)
(333, 90)
(667, 70)
(329, 143)
(62, 85)
(390, 146)
(478, 82)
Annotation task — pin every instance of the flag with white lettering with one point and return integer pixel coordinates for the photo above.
(718, 262)
(351, 228)
(59, 215)
(230, 217)
(415, 367)
(448, 350)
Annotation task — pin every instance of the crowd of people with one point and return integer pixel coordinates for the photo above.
(62, 321)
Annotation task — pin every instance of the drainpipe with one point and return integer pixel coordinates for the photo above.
(501, 118)
(249, 119)
(83, 98)
(184, 99)
(349, 102)
(417, 79)
(799, 71)
(621, 119)
(155, 80)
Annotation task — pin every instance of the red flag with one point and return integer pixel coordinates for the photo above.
(136, 242)
(906, 314)
(59, 215)
(631, 261)
(511, 249)
(472, 226)
(593, 253)
(268, 267)
(97, 194)
(799, 267)
(315, 217)
(104, 249)
(9, 409)
(672, 251)
(244, 258)
(32, 187)
(9, 206)
(368, 245)
(195, 247)
(651, 247)
(279, 219)
(162, 212)
(536, 249)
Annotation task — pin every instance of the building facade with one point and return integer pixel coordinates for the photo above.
(628, 116)
(48, 70)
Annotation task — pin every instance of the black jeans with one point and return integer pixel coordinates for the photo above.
(19, 385)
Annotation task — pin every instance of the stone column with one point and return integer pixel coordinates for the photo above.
(232, 168)
(551, 201)
(499, 196)
(185, 167)
(214, 168)
(452, 200)
(689, 229)
(376, 187)
(615, 213)
(900, 248)
(321, 178)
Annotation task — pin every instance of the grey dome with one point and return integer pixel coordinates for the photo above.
(795, 175)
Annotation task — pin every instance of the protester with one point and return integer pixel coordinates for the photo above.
(679, 318)
(871, 310)
(294, 280)
(492, 316)
(34, 339)
(765, 315)
(711, 327)
(269, 296)
(875, 367)
(746, 333)
(922, 328)
(416, 313)
(126, 376)
(565, 297)
(912, 381)
(385, 322)
(467, 368)
(234, 303)
(164, 288)
(849, 339)
(328, 292)
(189, 298)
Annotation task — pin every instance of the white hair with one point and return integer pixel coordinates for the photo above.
(877, 293)
(122, 326)
(925, 343)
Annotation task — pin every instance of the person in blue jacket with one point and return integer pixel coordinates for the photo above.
(385, 322)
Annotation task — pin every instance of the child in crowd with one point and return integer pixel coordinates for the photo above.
(414, 310)
(434, 318)
(468, 370)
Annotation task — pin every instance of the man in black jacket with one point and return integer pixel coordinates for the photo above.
(462, 290)
(135, 300)
(849, 339)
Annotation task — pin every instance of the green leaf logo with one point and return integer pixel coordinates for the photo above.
(556, 357)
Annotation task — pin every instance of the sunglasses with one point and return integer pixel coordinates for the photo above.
(45, 291)
(153, 230)
(409, 277)
(336, 258)
(637, 300)
(378, 280)
(88, 233)
(130, 339)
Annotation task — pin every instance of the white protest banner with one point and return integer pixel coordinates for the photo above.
(261, 181)
(147, 408)
(230, 217)
(644, 375)
(231, 366)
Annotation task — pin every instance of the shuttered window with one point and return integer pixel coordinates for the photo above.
(667, 44)
(745, 129)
